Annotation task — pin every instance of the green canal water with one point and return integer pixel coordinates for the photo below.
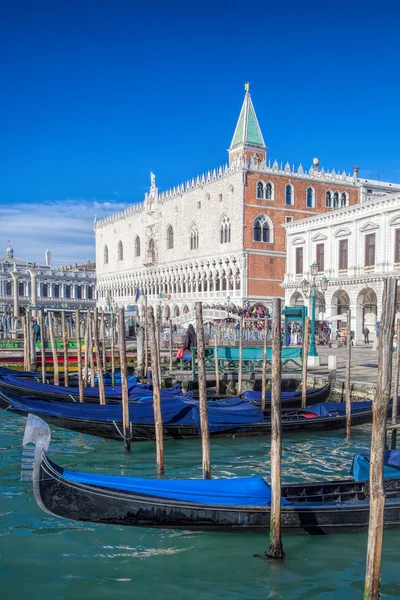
(42, 557)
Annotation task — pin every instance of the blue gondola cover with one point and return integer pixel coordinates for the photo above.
(361, 465)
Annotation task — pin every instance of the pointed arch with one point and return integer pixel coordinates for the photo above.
(269, 191)
(263, 229)
(289, 194)
(310, 198)
(194, 237)
(328, 199)
(225, 230)
(170, 237)
(105, 255)
(120, 250)
(137, 246)
(260, 190)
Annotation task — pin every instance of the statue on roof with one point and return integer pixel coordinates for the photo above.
(153, 182)
(9, 251)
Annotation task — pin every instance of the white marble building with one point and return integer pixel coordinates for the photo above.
(24, 284)
(356, 248)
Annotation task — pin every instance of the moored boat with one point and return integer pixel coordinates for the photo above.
(220, 505)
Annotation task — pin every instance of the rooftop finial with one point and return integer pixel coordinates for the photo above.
(247, 87)
(9, 251)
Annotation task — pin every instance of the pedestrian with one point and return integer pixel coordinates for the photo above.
(366, 335)
(36, 329)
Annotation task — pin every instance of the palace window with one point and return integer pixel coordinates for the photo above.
(21, 289)
(328, 199)
(152, 249)
(260, 190)
(8, 288)
(120, 251)
(45, 290)
(225, 230)
(299, 261)
(289, 194)
(67, 291)
(343, 199)
(320, 252)
(335, 199)
(261, 229)
(343, 255)
(397, 246)
(269, 191)
(56, 290)
(194, 238)
(170, 237)
(137, 246)
(105, 255)
(79, 292)
(310, 198)
(369, 250)
(288, 219)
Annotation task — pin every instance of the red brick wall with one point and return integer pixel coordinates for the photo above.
(263, 270)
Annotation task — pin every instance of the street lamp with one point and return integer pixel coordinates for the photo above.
(310, 290)
(228, 306)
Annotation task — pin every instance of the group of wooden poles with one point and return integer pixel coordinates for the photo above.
(151, 340)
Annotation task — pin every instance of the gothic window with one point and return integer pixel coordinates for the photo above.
(225, 231)
(120, 251)
(137, 246)
(310, 198)
(261, 229)
(289, 194)
(269, 191)
(260, 190)
(170, 237)
(194, 238)
(335, 199)
(328, 199)
(320, 252)
(299, 261)
(105, 255)
(343, 254)
(369, 250)
(343, 199)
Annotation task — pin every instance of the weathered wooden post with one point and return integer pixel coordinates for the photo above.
(140, 349)
(26, 350)
(43, 345)
(33, 345)
(348, 379)
(53, 349)
(91, 358)
(86, 368)
(275, 549)
(99, 366)
(306, 345)
(103, 339)
(79, 353)
(158, 338)
(124, 380)
(146, 339)
(205, 435)
(378, 439)
(170, 346)
(156, 390)
(216, 363)
(65, 348)
(239, 391)
(112, 324)
(264, 365)
(396, 389)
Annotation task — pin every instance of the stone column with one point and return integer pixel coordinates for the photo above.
(15, 285)
(34, 297)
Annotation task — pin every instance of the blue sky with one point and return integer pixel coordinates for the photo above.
(95, 94)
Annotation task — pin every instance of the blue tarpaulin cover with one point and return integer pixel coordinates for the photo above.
(15, 373)
(135, 390)
(326, 409)
(361, 465)
(222, 415)
(241, 491)
(255, 396)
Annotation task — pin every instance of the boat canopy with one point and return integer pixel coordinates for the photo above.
(327, 409)
(361, 465)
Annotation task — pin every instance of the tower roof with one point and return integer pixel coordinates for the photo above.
(247, 130)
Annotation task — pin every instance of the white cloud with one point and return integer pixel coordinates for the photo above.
(64, 227)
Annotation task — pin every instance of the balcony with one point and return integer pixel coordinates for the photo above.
(150, 259)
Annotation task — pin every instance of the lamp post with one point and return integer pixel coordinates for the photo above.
(310, 291)
(228, 305)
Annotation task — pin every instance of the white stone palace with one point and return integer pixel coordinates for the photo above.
(218, 237)
(24, 284)
(356, 248)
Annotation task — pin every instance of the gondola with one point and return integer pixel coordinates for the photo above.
(218, 505)
(181, 418)
(17, 386)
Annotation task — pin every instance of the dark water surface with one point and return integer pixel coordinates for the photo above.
(42, 557)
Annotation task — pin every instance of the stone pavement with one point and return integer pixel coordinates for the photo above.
(364, 363)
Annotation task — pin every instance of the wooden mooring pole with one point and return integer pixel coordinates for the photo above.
(170, 345)
(53, 348)
(42, 326)
(396, 390)
(79, 353)
(91, 358)
(306, 345)
(65, 348)
(124, 380)
(378, 442)
(86, 354)
(33, 345)
(275, 549)
(205, 435)
(112, 325)
(348, 378)
(26, 341)
(217, 387)
(99, 366)
(155, 369)
(239, 390)
(264, 365)
(146, 339)
(103, 339)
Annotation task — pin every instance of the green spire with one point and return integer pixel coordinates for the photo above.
(247, 129)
